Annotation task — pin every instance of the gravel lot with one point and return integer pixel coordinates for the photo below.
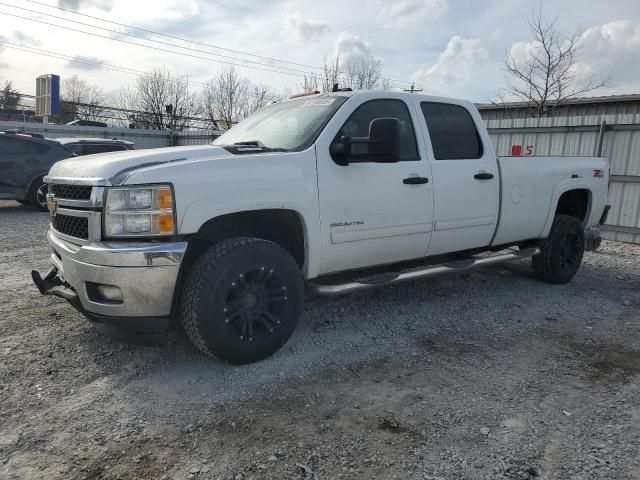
(483, 375)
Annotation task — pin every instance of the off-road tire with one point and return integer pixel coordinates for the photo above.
(561, 252)
(211, 283)
(38, 195)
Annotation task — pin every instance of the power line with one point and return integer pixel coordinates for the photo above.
(195, 42)
(148, 46)
(98, 65)
(60, 56)
(144, 39)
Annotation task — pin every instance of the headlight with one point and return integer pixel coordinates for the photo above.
(139, 211)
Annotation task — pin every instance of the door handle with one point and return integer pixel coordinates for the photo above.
(415, 180)
(483, 176)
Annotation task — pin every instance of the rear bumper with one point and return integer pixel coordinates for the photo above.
(129, 285)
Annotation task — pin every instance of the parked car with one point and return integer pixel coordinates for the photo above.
(90, 146)
(87, 123)
(25, 158)
(326, 194)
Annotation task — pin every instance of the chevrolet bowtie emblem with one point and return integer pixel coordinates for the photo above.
(52, 204)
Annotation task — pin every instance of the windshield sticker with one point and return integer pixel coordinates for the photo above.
(319, 102)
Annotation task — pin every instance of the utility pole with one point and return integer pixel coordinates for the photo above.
(413, 89)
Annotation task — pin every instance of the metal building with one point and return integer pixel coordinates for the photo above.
(578, 107)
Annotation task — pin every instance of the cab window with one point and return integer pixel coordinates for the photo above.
(358, 126)
(452, 130)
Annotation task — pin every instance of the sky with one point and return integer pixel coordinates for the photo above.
(453, 47)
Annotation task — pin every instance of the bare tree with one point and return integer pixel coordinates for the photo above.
(9, 97)
(322, 81)
(309, 83)
(365, 74)
(80, 100)
(124, 100)
(330, 73)
(226, 98)
(260, 96)
(386, 84)
(160, 100)
(545, 76)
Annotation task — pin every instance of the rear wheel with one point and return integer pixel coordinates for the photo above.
(561, 252)
(242, 299)
(38, 195)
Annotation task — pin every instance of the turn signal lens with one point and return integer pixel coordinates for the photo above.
(165, 224)
(165, 198)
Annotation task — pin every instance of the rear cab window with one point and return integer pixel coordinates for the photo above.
(452, 131)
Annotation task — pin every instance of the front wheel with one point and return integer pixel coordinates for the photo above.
(242, 299)
(38, 195)
(561, 252)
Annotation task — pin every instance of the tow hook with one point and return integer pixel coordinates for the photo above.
(48, 284)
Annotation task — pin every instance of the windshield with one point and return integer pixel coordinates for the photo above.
(289, 126)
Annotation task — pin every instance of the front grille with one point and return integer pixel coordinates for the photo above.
(71, 192)
(73, 226)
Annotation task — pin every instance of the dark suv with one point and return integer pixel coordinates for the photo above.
(25, 158)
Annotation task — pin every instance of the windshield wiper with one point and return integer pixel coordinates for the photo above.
(250, 146)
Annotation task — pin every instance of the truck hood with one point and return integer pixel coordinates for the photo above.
(115, 167)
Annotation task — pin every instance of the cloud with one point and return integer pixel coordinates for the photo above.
(612, 50)
(351, 48)
(26, 39)
(456, 66)
(305, 29)
(406, 13)
(83, 63)
(74, 5)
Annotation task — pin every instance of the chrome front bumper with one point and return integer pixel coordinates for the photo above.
(145, 274)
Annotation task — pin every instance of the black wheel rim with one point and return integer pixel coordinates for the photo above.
(255, 304)
(41, 195)
(570, 253)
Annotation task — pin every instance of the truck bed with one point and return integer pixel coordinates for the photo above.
(527, 184)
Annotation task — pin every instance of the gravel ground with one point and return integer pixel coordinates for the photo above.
(481, 375)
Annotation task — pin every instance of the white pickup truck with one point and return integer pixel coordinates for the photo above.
(321, 194)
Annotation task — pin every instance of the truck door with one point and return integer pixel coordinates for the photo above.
(465, 179)
(373, 213)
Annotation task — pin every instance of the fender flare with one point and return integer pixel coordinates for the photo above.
(560, 189)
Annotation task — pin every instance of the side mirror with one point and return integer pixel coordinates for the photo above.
(383, 144)
(384, 140)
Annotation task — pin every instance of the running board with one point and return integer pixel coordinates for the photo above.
(450, 267)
